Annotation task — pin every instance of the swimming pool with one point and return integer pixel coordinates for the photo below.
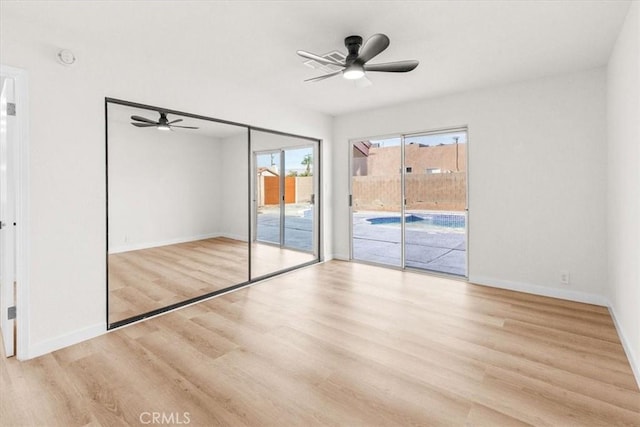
(423, 220)
(394, 219)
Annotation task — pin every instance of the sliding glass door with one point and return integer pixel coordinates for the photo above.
(435, 192)
(409, 201)
(376, 195)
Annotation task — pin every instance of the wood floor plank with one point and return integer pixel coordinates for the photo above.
(481, 416)
(334, 344)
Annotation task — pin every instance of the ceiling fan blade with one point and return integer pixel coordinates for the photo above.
(319, 59)
(363, 82)
(326, 76)
(174, 121)
(393, 67)
(184, 127)
(143, 119)
(373, 47)
(145, 125)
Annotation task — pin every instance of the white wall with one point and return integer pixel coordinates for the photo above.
(623, 116)
(235, 169)
(66, 295)
(537, 168)
(164, 187)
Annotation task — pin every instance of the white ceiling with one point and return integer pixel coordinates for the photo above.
(460, 45)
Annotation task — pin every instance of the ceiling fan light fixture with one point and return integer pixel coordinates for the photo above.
(353, 72)
(164, 127)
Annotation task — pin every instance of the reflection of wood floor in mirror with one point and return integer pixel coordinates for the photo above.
(148, 279)
(269, 258)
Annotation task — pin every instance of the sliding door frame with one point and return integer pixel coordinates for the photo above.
(403, 201)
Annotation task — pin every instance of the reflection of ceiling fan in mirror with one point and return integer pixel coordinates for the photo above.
(162, 124)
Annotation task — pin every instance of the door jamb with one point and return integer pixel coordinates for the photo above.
(20, 77)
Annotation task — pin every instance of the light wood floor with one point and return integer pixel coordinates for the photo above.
(341, 344)
(148, 279)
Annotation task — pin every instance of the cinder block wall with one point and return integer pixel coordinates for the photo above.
(380, 188)
(440, 192)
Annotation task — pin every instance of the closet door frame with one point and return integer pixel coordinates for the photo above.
(250, 280)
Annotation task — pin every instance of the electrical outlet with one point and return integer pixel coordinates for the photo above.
(564, 277)
(126, 239)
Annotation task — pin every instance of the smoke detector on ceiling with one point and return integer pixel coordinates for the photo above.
(66, 57)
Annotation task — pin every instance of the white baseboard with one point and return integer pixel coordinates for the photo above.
(566, 294)
(329, 257)
(233, 236)
(65, 340)
(147, 245)
(631, 356)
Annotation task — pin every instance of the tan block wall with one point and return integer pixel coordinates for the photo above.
(386, 160)
(376, 183)
(444, 191)
(304, 189)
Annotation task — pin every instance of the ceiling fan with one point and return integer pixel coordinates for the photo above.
(162, 124)
(356, 63)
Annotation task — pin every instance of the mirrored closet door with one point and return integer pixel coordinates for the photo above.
(175, 187)
(285, 211)
(195, 209)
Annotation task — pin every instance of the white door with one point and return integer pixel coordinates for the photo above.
(7, 212)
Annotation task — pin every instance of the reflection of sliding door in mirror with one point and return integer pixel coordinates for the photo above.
(268, 195)
(178, 212)
(284, 211)
(299, 195)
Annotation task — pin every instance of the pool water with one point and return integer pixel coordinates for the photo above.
(394, 219)
(423, 220)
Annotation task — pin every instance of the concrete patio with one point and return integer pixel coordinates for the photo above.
(438, 249)
(298, 226)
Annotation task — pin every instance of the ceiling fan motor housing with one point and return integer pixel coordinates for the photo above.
(352, 44)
